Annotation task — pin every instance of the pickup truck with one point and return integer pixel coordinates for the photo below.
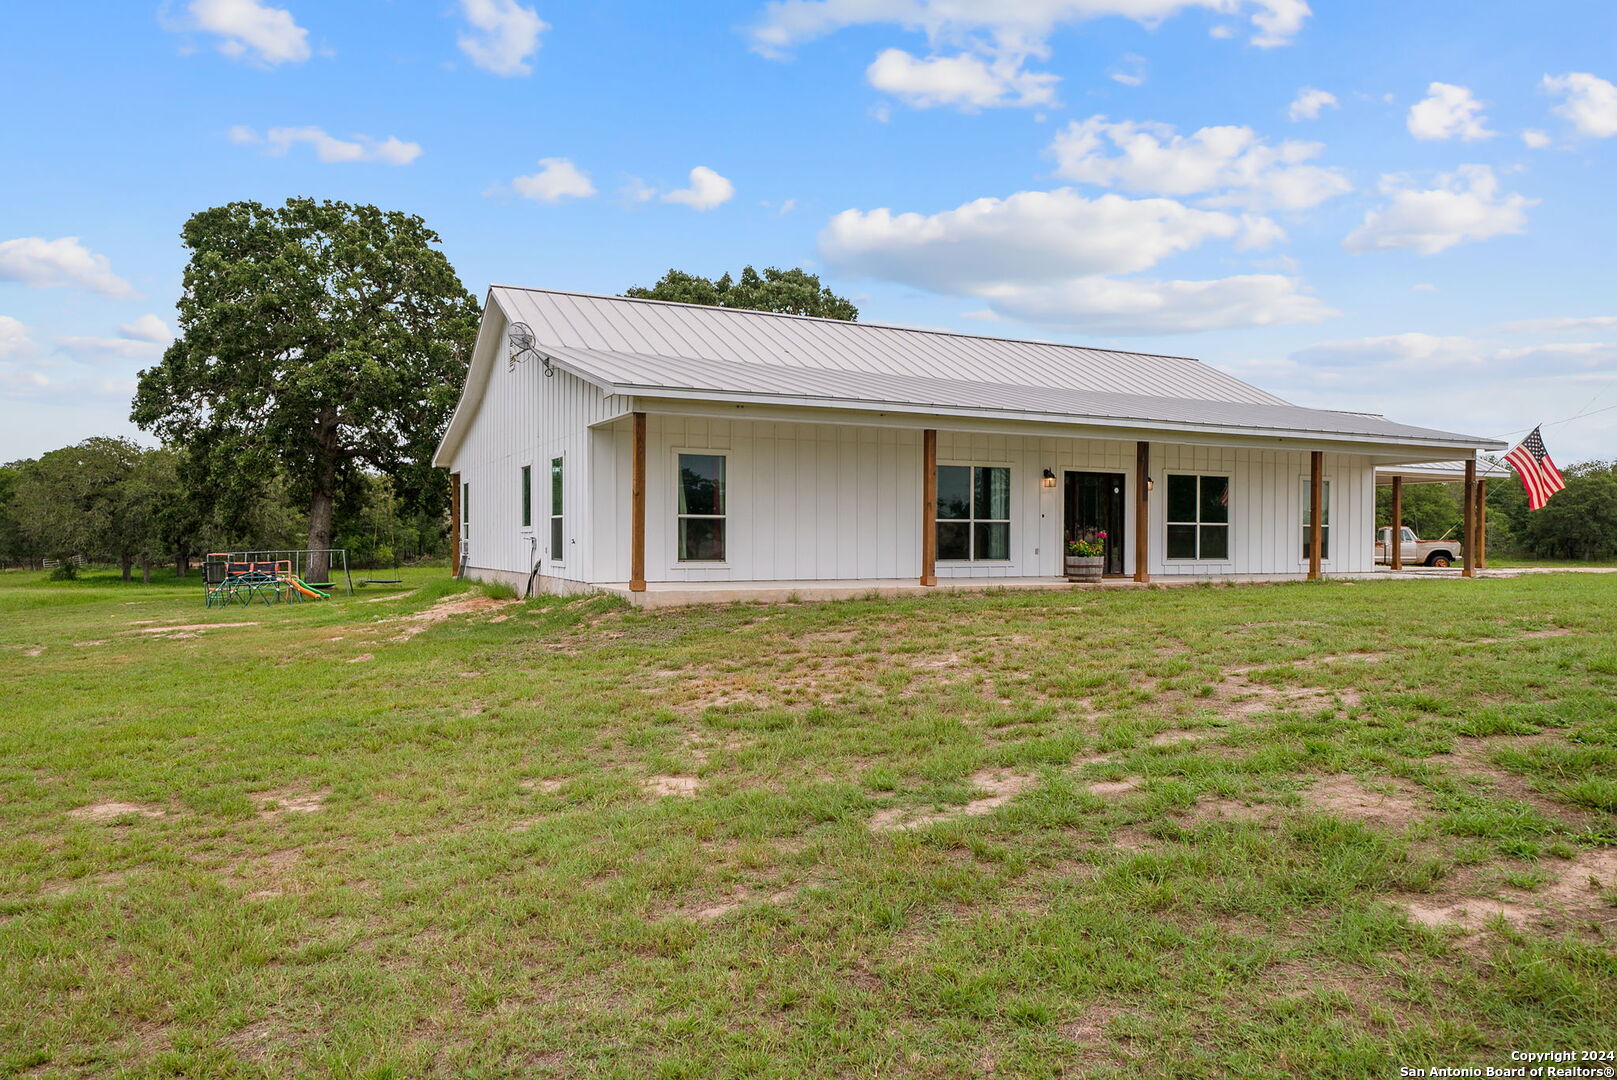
(1418, 552)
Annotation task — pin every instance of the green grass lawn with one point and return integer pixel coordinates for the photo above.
(1285, 831)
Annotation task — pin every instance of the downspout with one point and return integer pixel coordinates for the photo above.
(533, 544)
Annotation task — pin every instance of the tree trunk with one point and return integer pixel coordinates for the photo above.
(126, 564)
(145, 570)
(323, 500)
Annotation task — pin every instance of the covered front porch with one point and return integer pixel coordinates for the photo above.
(1474, 476)
(720, 503)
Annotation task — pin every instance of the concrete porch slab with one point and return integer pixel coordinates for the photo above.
(659, 594)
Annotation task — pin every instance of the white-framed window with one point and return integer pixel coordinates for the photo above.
(1198, 516)
(466, 510)
(527, 496)
(1324, 519)
(974, 513)
(703, 509)
(558, 552)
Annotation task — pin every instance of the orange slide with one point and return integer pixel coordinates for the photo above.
(298, 584)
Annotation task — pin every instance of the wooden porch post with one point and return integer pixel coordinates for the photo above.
(1470, 518)
(454, 524)
(637, 507)
(1142, 511)
(929, 506)
(1396, 554)
(1316, 508)
(1482, 524)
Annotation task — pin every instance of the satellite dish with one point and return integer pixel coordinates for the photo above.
(519, 343)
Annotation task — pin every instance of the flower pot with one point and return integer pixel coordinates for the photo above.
(1084, 567)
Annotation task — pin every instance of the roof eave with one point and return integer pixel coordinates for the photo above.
(1440, 439)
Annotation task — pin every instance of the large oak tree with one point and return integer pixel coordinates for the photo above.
(791, 292)
(317, 339)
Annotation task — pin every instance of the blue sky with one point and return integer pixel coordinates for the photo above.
(1382, 206)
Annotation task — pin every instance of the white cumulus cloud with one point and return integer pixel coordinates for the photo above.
(14, 339)
(1448, 112)
(251, 30)
(1308, 103)
(60, 263)
(147, 328)
(504, 35)
(1590, 102)
(1051, 257)
(707, 189)
(1464, 205)
(328, 148)
(1561, 324)
(1008, 24)
(557, 179)
(965, 81)
(1229, 165)
(1535, 139)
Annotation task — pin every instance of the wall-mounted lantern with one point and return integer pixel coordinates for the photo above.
(1049, 479)
(1150, 484)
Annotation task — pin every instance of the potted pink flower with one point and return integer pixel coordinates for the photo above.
(1086, 557)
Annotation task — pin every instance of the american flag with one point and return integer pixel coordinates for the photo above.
(1539, 475)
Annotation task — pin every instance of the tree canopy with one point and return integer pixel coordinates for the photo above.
(790, 292)
(317, 340)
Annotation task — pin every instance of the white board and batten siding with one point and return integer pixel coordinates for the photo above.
(529, 418)
(810, 501)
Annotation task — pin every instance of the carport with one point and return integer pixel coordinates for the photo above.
(1474, 475)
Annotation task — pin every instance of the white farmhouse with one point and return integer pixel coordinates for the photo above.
(670, 453)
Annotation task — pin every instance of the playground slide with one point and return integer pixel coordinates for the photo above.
(299, 584)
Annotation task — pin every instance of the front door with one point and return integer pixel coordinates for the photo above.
(1095, 505)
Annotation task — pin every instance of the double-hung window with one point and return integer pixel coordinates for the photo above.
(702, 508)
(974, 512)
(527, 496)
(1324, 519)
(557, 554)
(1198, 517)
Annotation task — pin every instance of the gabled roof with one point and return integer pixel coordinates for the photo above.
(657, 349)
(693, 332)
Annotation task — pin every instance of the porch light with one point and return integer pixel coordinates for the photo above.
(1150, 484)
(1049, 479)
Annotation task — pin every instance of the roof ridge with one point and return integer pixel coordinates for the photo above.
(844, 322)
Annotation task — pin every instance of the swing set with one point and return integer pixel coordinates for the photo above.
(270, 577)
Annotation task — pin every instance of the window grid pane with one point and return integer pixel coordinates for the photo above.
(974, 512)
(1198, 516)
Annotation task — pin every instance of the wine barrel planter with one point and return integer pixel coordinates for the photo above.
(1084, 567)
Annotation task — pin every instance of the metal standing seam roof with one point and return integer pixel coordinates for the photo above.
(654, 348)
(660, 328)
(650, 375)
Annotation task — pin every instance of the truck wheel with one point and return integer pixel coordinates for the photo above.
(1441, 558)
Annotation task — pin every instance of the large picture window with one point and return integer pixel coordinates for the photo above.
(557, 554)
(1198, 517)
(974, 512)
(701, 508)
(1324, 519)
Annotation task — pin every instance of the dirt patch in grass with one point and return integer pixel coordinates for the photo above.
(1109, 788)
(273, 804)
(1581, 892)
(1390, 803)
(266, 876)
(361, 658)
(666, 786)
(1174, 738)
(190, 629)
(1472, 757)
(547, 785)
(738, 897)
(1393, 806)
(447, 608)
(112, 811)
(1090, 1028)
(999, 787)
